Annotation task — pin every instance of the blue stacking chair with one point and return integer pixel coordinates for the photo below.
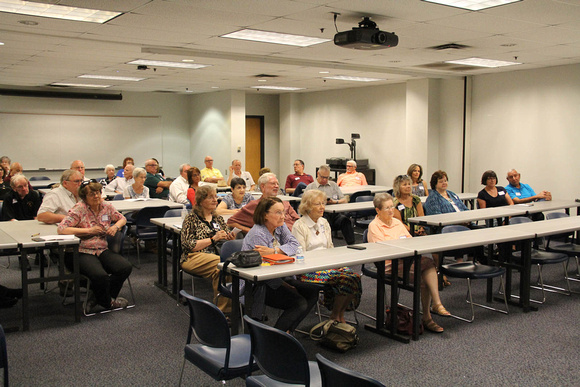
(334, 375)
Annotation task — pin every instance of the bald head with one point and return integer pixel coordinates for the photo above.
(79, 166)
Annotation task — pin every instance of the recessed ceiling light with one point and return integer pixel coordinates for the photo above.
(472, 5)
(356, 79)
(28, 22)
(324, 72)
(56, 11)
(215, 87)
(187, 60)
(1, 43)
(275, 37)
(262, 80)
(480, 62)
(278, 88)
(79, 85)
(167, 64)
(111, 77)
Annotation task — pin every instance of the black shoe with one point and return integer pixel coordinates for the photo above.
(7, 302)
(10, 293)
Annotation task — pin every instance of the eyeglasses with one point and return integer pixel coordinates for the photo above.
(207, 161)
(390, 208)
(77, 181)
(151, 165)
(278, 213)
(319, 204)
(324, 177)
(94, 193)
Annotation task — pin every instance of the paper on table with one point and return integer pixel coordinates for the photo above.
(45, 238)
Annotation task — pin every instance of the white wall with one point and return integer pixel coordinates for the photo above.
(528, 120)
(172, 110)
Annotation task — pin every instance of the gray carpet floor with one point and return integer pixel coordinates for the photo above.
(143, 346)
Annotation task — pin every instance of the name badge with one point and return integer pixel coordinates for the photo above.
(215, 226)
(321, 229)
(296, 178)
(401, 207)
(105, 218)
(358, 178)
(518, 194)
(14, 201)
(334, 197)
(501, 193)
(403, 237)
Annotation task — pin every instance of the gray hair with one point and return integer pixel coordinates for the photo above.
(109, 166)
(397, 184)
(16, 178)
(66, 175)
(380, 198)
(183, 166)
(138, 172)
(324, 167)
(308, 199)
(351, 161)
(265, 178)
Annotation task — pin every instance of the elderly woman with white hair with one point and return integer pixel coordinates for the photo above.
(137, 189)
(110, 172)
(343, 286)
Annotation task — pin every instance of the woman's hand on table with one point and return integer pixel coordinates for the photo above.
(264, 250)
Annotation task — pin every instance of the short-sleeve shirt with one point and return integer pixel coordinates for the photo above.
(380, 231)
(82, 216)
(231, 203)
(293, 180)
(498, 201)
(331, 189)
(151, 183)
(58, 201)
(130, 193)
(407, 212)
(25, 208)
(525, 191)
(195, 229)
(213, 172)
(351, 179)
(245, 216)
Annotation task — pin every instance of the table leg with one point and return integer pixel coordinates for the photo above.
(175, 257)
(76, 272)
(525, 275)
(161, 249)
(24, 279)
(235, 315)
(416, 297)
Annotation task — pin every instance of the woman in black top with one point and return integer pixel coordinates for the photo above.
(492, 195)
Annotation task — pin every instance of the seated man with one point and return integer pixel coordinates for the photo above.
(244, 218)
(523, 193)
(119, 184)
(333, 196)
(158, 186)
(178, 188)
(210, 174)
(58, 201)
(21, 203)
(78, 165)
(351, 177)
(294, 180)
(236, 171)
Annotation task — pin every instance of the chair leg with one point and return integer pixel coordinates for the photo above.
(469, 300)
(556, 289)
(182, 368)
(138, 265)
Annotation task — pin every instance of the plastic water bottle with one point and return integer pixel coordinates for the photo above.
(299, 255)
(184, 213)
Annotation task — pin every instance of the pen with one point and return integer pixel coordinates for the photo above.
(35, 235)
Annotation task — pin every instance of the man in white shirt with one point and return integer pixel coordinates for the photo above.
(178, 188)
(58, 201)
(119, 184)
(236, 171)
(79, 166)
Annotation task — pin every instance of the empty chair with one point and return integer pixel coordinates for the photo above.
(221, 356)
(471, 271)
(280, 357)
(173, 213)
(564, 243)
(365, 217)
(541, 258)
(334, 375)
(145, 230)
(354, 195)
(118, 197)
(3, 356)
(37, 178)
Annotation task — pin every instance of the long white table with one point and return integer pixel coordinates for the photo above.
(349, 207)
(286, 198)
(357, 188)
(129, 205)
(36, 184)
(22, 233)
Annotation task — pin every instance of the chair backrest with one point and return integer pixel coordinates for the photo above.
(556, 215)
(365, 198)
(173, 213)
(230, 247)
(366, 236)
(116, 242)
(3, 355)
(207, 323)
(454, 228)
(564, 237)
(118, 197)
(520, 219)
(143, 217)
(334, 375)
(354, 195)
(36, 178)
(278, 355)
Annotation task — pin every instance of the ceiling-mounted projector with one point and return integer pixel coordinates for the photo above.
(366, 36)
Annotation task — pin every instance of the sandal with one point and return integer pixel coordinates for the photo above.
(446, 282)
(432, 326)
(440, 310)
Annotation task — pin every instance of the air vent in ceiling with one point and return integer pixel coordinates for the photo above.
(265, 76)
(450, 46)
(448, 67)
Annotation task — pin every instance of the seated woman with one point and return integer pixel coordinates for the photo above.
(203, 229)
(127, 160)
(232, 202)
(91, 220)
(110, 172)
(343, 286)
(419, 187)
(406, 204)
(270, 235)
(193, 178)
(386, 227)
(137, 189)
(441, 200)
(492, 195)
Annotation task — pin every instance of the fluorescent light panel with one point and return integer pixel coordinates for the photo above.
(56, 11)
(275, 37)
(355, 79)
(80, 85)
(161, 63)
(480, 62)
(472, 5)
(111, 77)
(286, 88)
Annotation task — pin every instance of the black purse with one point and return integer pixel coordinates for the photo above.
(248, 258)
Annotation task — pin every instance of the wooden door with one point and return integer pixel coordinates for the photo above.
(254, 145)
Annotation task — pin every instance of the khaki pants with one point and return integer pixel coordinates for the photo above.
(205, 265)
